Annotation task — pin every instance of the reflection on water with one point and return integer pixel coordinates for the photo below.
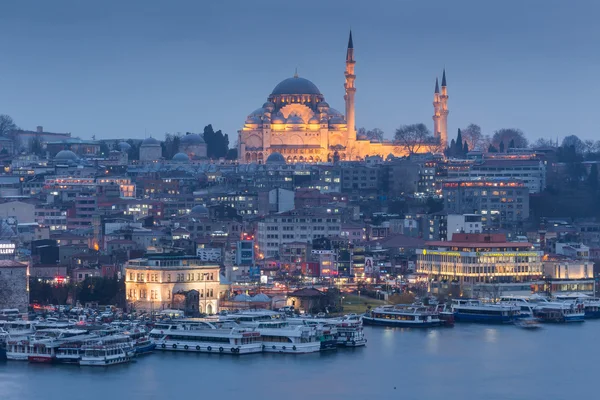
(464, 362)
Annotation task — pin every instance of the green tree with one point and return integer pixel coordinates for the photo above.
(217, 143)
(593, 177)
(413, 137)
(501, 147)
(36, 147)
(506, 135)
(6, 125)
(104, 150)
(232, 154)
(134, 151)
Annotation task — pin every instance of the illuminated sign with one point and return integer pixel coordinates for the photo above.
(479, 254)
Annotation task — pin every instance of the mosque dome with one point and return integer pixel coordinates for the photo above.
(150, 142)
(181, 158)
(323, 106)
(296, 85)
(336, 120)
(333, 111)
(313, 120)
(253, 119)
(124, 146)
(278, 119)
(275, 158)
(268, 106)
(66, 155)
(199, 211)
(192, 139)
(295, 119)
(258, 111)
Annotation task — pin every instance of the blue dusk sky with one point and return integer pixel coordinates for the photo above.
(127, 69)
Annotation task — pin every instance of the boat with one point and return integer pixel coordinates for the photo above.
(108, 350)
(414, 316)
(528, 323)
(327, 335)
(559, 312)
(473, 310)
(70, 351)
(591, 305)
(2, 352)
(350, 332)
(18, 328)
(44, 349)
(141, 341)
(445, 315)
(206, 337)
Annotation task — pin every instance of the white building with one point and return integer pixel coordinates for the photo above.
(573, 250)
(151, 282)
(150, 150)
(295, 226)
(462, 223)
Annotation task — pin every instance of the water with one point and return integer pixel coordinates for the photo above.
(464, 362)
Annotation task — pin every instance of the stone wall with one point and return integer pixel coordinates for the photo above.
(13, 288)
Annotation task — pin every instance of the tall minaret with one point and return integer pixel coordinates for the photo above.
(350, 89)
(444, 112)
(436, 111)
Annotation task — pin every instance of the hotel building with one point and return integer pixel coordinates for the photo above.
(151, 283)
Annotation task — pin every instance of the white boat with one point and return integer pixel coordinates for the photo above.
(350, 333)
(70, 350)
(18, 328)
(400, 315)
(108, 350)
(559, 312)
(44, 350)
(206, 337)
(472, 310)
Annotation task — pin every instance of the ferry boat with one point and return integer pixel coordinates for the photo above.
(109, 350)
(350, 332)
(18, 328)
(559, 312)
(414, 316)
(206, 337)
(44, 350)
(526, 304)
(70, 350)
(278, 335)
(141, 341)
(591, 305)
(471, 310)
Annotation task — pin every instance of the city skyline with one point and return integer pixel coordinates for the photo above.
(123, 70)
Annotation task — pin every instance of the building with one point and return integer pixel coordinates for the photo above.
(23, 139)
(502, 202)
(295, 226)
(462, 223)
(573, 250)
(150, 150)
(151, 283)
(475, 259)
(14, 285)
(193, 145)
(19, 210)
(298, 123)
(531, 171)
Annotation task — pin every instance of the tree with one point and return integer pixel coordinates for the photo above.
(170, 146)
(104, 150)
(541, 142)
(574, 141)
(501, 147)
(506, 135)
(374, 135)
(492, 149)
(6, 125)
(459, 142)
(217, 143)
(466, 148)
(134, 151)
(473, 136)
(511, 145)
(413, 137)
(232, 154)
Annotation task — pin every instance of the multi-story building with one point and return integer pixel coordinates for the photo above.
(151, 283)
(531, 171)
(462, 223)
(295, 226)
(479, 258)
(501, 202)
(359, 176)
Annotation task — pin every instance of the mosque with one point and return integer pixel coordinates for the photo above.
(297, 123)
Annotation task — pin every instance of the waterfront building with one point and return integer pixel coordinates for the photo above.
(502, 202)
(470, 259)
(151, 282)
(298, 123)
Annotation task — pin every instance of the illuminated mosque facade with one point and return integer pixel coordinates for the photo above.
(299, 124)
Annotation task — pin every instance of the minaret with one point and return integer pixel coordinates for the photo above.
(436, 111)
(444, 112)
(350, 89)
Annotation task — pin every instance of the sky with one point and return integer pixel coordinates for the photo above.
(132, 69)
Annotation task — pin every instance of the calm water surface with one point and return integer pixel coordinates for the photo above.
(465, 362)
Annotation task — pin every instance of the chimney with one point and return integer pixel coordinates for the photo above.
(40, 129)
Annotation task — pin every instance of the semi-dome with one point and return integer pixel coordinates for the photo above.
(150, 142)
(275, 158)
(199, 211)
(333, 111)
(278, 119)
(253, 119)
(337, 119)
(191, 139)
(268, 106)
(296, 85)
(323, 105)
(313, 120)
(295, 119)
(181, 157)
(124, 146)
(66, 155)
(258, 111)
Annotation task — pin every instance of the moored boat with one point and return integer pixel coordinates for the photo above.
(109, 350)
(414, 316)
(472, 310)
(559, 312)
